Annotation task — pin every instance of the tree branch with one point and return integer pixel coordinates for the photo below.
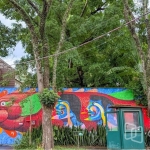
(26, 17)
(45, 10)
(87, 40)
(84, 8)
(132, 27)
(61, 41)
(34, 7)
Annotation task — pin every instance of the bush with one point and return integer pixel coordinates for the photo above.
(75, 136)
(64, 136)
(24, 142)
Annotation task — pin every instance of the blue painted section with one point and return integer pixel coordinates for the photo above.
(7, 140)
(26, 89)
(110, 90)
(76, 89)
(99, 90)
(36, 89)
(9, 89)
(65, 89)
(87, 89)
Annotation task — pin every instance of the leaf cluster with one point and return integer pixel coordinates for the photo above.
(8, 40)
(48, 98)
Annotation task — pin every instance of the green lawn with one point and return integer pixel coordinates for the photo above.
(73, 148)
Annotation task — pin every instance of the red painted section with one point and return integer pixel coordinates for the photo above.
(84, 99)
(11, 119)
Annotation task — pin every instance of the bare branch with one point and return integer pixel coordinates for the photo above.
(85, 5)
(34, 7)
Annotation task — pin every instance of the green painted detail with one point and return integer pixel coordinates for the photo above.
(30, 105)
(124, 95)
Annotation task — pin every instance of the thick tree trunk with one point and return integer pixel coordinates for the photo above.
(47, 130)
(39, 38)
(47, 127)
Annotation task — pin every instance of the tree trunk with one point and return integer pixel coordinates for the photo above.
(39, 38)
(60, 44)
(38, 69)
(47, 130)
(145, 11)
(47, 127)
(132, 28)
(144, 58)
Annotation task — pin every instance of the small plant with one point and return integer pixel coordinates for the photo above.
(23, 143)
(48, 98)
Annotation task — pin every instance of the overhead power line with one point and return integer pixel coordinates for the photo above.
(96, 38)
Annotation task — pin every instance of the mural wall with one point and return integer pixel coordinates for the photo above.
(84, 107)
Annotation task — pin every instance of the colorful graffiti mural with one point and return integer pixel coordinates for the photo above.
(68, 110)
(84, 107)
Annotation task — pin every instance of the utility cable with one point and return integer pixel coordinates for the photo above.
(96, 38)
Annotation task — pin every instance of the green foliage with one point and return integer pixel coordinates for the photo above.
(65, 136)
(28, 79)
(138, 91)
(24, 142)
(69, 136)
(9, 75)
(8, 40)
(106, 62)
(101, 63)
(48, 98)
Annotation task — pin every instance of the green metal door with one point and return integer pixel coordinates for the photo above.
(132, 127)
(113, 131)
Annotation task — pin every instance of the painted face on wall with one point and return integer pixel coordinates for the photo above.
(96, 112)
(62, 109)
(64, 113)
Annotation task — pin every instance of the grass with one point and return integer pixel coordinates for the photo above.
(75, 148)
(65, 148)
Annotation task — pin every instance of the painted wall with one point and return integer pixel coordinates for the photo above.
(83, 107)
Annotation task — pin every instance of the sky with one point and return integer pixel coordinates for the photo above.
(18, 52)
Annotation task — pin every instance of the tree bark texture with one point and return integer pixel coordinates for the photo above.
(47, 130)
(60, 44)
(42, 65)
(147, 22)
(144, 58)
